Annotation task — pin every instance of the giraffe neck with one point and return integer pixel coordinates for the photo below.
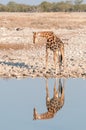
(45, 34)
(46, 115)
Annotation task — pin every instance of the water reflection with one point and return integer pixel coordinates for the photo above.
(54, 104)
(18, 98)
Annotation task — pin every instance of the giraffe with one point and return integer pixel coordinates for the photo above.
(54, 104)
(54, 44)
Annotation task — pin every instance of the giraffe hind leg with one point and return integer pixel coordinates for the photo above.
(62, 55)
(55, 91)
(61, 58)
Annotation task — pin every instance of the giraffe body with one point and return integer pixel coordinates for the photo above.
(54, 44)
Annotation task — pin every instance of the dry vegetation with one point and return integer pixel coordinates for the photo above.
(43, 20)
(17, 51)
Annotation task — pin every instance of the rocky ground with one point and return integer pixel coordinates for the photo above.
(20, 58)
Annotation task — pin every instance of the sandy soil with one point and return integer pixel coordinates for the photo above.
(20, 58)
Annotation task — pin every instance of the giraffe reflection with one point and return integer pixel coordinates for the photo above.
(54, 104)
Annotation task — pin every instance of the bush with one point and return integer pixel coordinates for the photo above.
(67, 6)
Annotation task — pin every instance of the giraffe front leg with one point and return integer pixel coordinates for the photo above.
(47, 94)
(63, 87)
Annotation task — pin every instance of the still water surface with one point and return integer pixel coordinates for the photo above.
(19, 97)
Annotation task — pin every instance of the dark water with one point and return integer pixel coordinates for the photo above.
(19, 97)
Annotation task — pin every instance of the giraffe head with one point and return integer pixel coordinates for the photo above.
(36, 115)
(35, 35)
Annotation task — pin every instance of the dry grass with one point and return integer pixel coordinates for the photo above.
(43, 20)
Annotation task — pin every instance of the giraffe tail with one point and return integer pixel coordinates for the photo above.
(60, 86)
(60, 59)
